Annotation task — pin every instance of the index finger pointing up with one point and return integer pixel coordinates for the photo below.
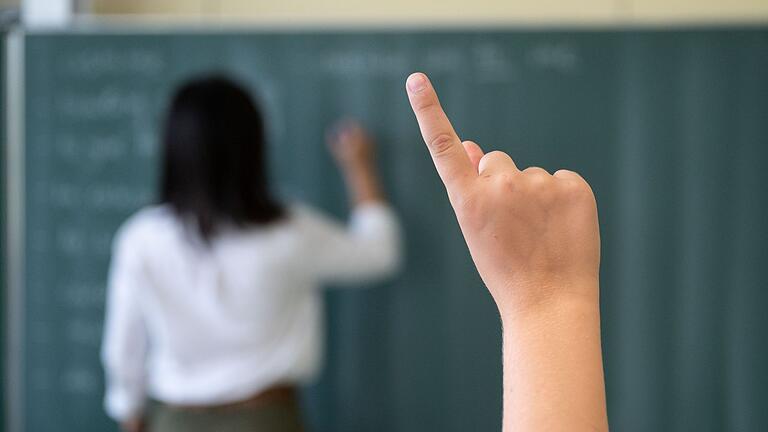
(450, 158)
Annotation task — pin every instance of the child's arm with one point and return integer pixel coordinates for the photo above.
(535, 241)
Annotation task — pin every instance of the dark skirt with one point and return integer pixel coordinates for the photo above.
(273, 416)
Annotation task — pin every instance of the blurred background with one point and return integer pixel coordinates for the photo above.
(662, 105)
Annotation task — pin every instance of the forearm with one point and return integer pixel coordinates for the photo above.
(125, 395)
(553, 376)
(363, 185)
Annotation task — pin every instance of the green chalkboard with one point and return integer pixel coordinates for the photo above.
(670, 128)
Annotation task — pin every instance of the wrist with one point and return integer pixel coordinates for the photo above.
(357, 169)
(549, 302)
(362, 184)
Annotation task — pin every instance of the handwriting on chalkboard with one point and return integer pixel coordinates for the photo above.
(91, 149)
(444, 59)
(78, 380)
(111, 61)
(493, 64)
(555, 56)
(102, 103)
(367, 63)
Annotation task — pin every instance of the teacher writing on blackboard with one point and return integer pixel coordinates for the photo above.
(213, 307)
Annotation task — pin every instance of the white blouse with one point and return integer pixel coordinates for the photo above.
(196, 325)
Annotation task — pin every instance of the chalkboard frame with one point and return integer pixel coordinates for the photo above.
(17, 154)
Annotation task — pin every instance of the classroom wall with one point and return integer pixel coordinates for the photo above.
(447, 11)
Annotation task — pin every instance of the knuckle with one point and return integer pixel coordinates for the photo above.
(505, 180)
(536, 171)
(496, 156)
(441, 144)
(578, 189)
(570, 187)
(537, 177)
(566, 174)
(587, 193)
(423, 104)
(496, 161)
(571, 191)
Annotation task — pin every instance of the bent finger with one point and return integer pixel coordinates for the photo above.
(495, 162)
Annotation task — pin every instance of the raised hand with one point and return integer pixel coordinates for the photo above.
(350, 145)
(534, 239)
(352, 148)
(533, 236)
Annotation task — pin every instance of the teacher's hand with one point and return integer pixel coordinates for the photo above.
(352, 148)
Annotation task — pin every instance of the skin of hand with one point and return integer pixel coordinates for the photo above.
(353, 150)
(350, 145)
(535, 241)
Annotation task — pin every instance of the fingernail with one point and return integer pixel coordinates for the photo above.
(416, 83)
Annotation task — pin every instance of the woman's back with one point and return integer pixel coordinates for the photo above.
(241, 311)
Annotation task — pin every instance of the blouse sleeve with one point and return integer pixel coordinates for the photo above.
(367, 248)
(125, 339)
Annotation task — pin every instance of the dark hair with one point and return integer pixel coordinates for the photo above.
(214, 157)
